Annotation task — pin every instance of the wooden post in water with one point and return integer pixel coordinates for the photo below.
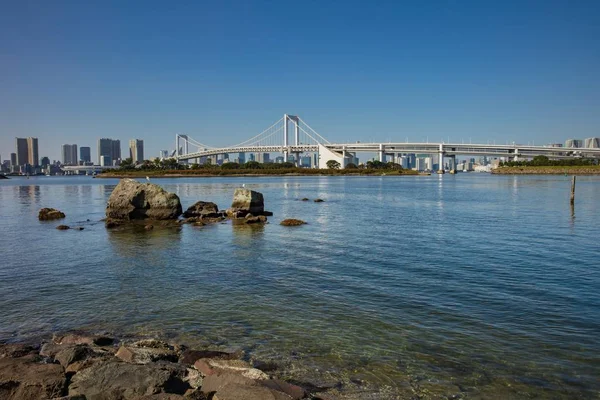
(573, 191)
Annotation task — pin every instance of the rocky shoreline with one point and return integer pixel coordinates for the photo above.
(82, 366)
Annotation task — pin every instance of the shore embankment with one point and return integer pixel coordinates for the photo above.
(91, 366)
(549, 170)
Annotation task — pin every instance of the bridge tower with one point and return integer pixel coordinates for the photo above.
(185, 149)
(286, 142)
(441, 159)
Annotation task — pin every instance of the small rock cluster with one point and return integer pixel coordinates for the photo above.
(131, 200)
(151, 205)
(100, 368)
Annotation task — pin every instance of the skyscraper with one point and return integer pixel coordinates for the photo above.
(22, 151)
(574, 143)
(592, 143)
(69, 154)
(33, 157)
(85, 154)
(116, 150)
(136, 150)
(13, 159)
(109, 148)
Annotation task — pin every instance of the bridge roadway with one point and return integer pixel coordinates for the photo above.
(445, 149)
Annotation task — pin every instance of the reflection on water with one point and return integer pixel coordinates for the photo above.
(28, 194)
(454, 286)
(135, 240)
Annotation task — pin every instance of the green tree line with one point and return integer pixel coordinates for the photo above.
(543, 161)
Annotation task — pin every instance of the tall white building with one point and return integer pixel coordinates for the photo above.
(592, 143)
(577, 143)
(136, 150)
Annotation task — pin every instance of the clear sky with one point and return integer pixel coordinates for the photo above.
(222, 71)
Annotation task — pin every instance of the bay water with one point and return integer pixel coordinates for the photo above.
(472, 286)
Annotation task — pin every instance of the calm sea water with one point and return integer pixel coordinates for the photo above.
(473, 286)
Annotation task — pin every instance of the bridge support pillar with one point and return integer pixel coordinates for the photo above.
(453, 164)
(381, 153)
(441, 163)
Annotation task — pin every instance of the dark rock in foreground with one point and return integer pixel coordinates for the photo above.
(50, 214)
(29, 378)
(115, 380)
(63, 227)
(319, 200)
(76, 366)
(133, 200)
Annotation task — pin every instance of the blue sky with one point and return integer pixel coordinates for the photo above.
(72, 71)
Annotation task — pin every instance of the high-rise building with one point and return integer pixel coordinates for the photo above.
(116, 150)
(592, 143)
(242, 158)
(109, 148)
(13, 159)
(577, 143)
(33, 157)
(106, 161)
(45, 162)
(136, 150)
(420, 164)
(85, 154)
(22, 151)
(69, 154)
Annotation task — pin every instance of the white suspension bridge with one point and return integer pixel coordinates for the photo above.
(276, 139)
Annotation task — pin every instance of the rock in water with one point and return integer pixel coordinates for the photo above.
(49, 214)
(202, 209)
(292, 222)
(248, 201)
(133, 200)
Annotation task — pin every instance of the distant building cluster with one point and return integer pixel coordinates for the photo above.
(26, 160)
(589, 143)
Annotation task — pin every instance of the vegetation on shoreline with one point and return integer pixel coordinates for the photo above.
(549, 170)
(543, 165)
(170, 167)
(543, 161)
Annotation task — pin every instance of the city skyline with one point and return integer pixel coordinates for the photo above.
(511, 72)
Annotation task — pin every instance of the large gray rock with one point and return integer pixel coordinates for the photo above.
(133, 200)
(115, 380)
(202, 209)
(248, 201)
